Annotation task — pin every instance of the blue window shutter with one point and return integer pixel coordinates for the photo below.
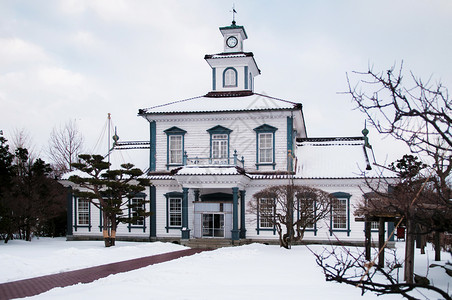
(246, 77)
(152, 154)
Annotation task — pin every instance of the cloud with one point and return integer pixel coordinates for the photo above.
(125, 12)
(86, 40)
(15, 51)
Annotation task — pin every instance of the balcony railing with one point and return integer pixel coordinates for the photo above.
(209, 161)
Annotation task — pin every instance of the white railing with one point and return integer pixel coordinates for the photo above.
(208, 161)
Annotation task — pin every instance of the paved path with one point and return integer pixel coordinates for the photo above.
(38, 285)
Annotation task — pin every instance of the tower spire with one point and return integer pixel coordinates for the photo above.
(233, 14)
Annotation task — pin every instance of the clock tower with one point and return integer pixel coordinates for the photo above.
(233, 70)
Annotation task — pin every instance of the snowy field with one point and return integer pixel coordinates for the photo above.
(248, 272)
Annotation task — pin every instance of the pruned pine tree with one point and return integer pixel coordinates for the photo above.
(290, 209)
(110, 191)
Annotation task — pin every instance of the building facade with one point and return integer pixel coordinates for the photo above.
(210, 154)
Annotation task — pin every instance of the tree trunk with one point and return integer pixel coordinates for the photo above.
(28, 232)
(437, 245)
(409, 251)
(113, 230)
(289, 217)
(106, 228)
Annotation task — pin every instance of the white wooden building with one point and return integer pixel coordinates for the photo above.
(210, 154)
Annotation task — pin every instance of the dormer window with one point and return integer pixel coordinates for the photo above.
(230, 77)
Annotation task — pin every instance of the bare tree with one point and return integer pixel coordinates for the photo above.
(411, 198)
(348, 266)
(65, 144)
(416, 112)
(419, 114)
(290, 209)
(21, 139)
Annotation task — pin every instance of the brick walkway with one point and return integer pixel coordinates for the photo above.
(38, 285)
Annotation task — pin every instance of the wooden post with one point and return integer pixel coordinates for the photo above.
(381, 242)
(368, 241)
(409, 250)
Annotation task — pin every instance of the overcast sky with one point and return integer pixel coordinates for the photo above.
(76, 59)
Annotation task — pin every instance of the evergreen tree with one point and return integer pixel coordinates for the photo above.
(6, 172)
(29, 197)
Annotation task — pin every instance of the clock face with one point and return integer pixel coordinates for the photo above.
(231, 41)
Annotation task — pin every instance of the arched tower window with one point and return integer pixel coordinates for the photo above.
(230, 77)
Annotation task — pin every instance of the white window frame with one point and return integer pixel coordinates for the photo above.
(339, 214)
(266, 213)
(265, 147)
(83, 212)
(175, 212)
(219, 146)
(135, 206)
(175, 149)
(230, 77)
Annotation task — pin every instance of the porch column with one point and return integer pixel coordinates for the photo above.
(235, 203)
(381, 242)
(153, 217)
(242, 215)
(185, 230)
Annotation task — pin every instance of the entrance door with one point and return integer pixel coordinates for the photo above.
(213, 225)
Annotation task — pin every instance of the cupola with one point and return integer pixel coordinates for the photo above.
(233, 69)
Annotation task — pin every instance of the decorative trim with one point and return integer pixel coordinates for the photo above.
(225, 94)
(217, 197)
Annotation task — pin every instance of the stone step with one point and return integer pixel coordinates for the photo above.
(213, 243)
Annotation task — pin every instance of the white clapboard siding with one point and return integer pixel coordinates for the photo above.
(242, 137)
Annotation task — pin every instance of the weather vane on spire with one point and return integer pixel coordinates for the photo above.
(233, 14)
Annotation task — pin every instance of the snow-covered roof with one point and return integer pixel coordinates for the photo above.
(333, 158)
(223, 102)
(66, 176)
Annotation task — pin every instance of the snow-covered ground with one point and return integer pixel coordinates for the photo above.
(247, 272)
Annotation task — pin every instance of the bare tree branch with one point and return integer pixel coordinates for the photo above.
(65, 144)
